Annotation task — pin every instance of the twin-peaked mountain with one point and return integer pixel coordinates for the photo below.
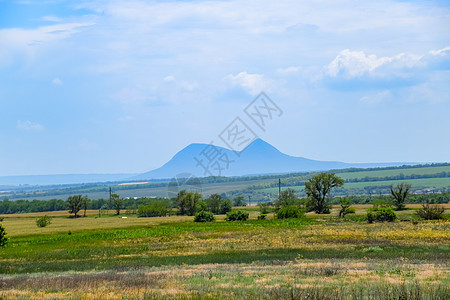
(259, 157)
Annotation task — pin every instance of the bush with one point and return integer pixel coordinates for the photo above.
(155, 209)
(345, 208)
(290, 211)
(262, 217)
(382, 214)
(237, 215)
(264, 208)
(3, 238)
(43, 221)
(431, 212)
(204, 216)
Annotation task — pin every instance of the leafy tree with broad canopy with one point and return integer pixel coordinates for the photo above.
(74, 203)
(318, 191)
(187, 202)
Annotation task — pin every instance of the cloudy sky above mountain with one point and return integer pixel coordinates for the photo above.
(121, 86)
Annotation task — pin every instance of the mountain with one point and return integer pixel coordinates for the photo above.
(258, 158)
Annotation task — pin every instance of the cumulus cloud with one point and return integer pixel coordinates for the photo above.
(29, 126)
(350, 64)
(252, 83)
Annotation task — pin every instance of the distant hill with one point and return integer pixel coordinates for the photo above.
(61, 179)
(258, 158)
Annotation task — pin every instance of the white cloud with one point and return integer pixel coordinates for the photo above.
(252, 83)
(51, 18)
(169, 78)
(354, 63)
(29, 126)
(57, 81)
(288, 71)
(441, 52)
(376, 98)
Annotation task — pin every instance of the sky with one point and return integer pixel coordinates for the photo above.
(119, 86)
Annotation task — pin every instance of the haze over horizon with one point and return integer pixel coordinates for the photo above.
(122, 86)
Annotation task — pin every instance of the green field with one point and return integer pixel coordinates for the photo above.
(432, 183)
(265, 187)
(317, 257)
(394, 172)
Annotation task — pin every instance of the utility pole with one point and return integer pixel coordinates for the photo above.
(279, 187)
(249, 200)
(110, 199)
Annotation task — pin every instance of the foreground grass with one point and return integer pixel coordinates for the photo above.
(325, 259)
(299, 278)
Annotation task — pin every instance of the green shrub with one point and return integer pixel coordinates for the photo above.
(237, 215)
(290, 211)
(382, 214)
(204, 216)
(264, 208)
(345, 208)
(262, 217)
(3, 238)
(43, 221)
(431, 212)
(154, 209)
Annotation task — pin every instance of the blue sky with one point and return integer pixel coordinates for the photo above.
(121, 86)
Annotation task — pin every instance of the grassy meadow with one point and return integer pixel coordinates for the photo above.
(317, 257)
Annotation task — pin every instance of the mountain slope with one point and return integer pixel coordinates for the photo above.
(258, 158)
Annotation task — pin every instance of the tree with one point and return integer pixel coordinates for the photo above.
(180, 202)
(318, 191)
(85, 204)
(117, 203)
(213, 203)
(74, 204)
(225, 206)
(345, 207)
(286, 198)
(239, 201)
(3, 238)
(399, 195)
(187, 202)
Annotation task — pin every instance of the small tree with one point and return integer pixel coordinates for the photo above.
(225, 206)
(43, 221)
(117, 203)
(399, 195)
(318, 190)
(286, 198)
(345, 207)
(239, 201)
(85, 204)
(431, 212)
(213, 203)
(264, 207)
(3, 238)
(74, 204)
